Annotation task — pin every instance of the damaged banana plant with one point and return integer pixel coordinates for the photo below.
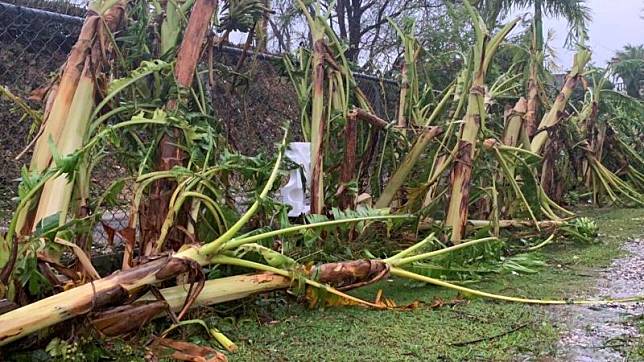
(56, 185)
(475, 116)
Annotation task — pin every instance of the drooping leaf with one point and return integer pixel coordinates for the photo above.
(47, 224)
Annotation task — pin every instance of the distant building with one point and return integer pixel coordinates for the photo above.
(617, 81)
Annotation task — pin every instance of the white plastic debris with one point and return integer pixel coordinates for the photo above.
(294, 193)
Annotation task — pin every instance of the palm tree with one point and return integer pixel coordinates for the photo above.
(575, 11)
(629, 65)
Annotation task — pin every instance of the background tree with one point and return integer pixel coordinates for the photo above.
(356, 20)
(630, 67)
(576, 12)
(361, 24)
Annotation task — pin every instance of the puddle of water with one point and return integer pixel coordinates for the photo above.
(597, 333)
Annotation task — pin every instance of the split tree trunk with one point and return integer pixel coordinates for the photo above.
(84, 58)
(552, 117)
(68, 108)
(461, 176)
(169, 152)
(318, 125)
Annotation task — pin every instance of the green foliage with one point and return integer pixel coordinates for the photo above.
(146, 67)
(475, 262)
(272, 257)
(79, 349)
(46, 225)
(29, 180)
(26, 269)
(340, 232)
(630, 67)
(241, 15)
(581, 229)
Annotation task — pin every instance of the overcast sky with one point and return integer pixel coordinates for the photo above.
(615, 23)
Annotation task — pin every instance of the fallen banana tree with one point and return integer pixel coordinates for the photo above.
(115, 290)
(119, 287)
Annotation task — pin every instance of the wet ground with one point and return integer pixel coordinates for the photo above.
(610, 332)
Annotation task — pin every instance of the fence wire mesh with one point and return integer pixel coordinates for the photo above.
(35, 39)
(33, 45)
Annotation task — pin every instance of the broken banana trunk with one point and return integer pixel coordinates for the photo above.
(98, 295)
(350, 274)
(67, 106)
(170, 153)
(554, 115)
(109, 295)
(124, 319)
(461, 175)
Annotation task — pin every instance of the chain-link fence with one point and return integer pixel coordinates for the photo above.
(253, 100)
(34, 44)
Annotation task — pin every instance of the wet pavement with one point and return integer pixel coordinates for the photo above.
(605, 333)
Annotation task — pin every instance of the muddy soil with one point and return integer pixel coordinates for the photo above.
(607, 333)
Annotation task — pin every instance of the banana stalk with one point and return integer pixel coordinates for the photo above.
(223, 290)
(409, 81)
(514, 126)
(536, 58)
(400, 176)
(56, 194)
(461, 176)
(402, 98)
(170, 154)
(65, 100)
(118, 287)
(552, 117)
(318, 113)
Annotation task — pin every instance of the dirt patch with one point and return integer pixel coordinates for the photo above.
(606, 333)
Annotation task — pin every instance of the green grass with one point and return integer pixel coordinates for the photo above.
(276, 331)
(352, 334)
(274, 328)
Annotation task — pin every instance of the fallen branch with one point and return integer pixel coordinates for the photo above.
(483, 339)
(362, 115)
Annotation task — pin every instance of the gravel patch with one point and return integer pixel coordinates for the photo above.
(602, 333)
